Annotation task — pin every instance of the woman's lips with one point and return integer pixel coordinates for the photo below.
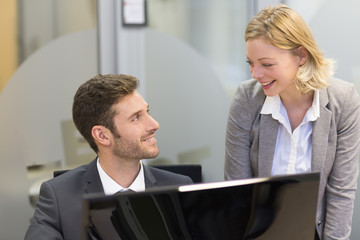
(267, 85)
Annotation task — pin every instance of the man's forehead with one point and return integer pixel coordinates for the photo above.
(131, 104)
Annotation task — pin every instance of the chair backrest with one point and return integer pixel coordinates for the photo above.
(59, 172)
(191, 170)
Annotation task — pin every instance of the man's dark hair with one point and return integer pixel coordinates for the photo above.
(94, 99)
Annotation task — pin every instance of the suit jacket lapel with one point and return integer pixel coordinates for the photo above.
(93, 183)
(150, 180)
(267, 142)
(320, 134)
(92, 180)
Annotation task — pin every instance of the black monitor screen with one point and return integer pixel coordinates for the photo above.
(281, 207)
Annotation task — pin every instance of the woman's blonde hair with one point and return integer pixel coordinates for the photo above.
(284, 28)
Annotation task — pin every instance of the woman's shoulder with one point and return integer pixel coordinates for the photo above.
(251, 88)
(339, 84)
(340, 88)
(341, 93)
(248, 100)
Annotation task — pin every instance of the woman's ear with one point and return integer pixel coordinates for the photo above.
(303, 55)
(101, 135)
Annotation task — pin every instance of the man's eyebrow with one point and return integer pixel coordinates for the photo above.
(138, 112)
(134, 114)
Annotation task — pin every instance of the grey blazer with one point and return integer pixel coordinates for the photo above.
(251, 139)
(58, 211)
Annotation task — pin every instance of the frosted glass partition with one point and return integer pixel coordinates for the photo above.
(214, 28)
(33, 105)
(190, 103)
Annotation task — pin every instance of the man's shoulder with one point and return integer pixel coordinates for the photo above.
(164, 177)
(71, 176)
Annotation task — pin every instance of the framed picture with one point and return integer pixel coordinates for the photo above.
(134, 13)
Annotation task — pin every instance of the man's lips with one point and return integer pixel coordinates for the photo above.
(150, 139)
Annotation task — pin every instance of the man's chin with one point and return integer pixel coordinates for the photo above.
(153, 154)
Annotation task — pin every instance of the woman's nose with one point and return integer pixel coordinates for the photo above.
(257, 73)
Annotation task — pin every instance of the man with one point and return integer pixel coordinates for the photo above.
(114, 119)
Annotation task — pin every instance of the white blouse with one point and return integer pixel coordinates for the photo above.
(293, 149)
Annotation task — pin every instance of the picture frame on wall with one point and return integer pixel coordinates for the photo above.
(134, 13)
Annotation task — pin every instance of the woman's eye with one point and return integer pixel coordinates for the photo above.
(268, 65)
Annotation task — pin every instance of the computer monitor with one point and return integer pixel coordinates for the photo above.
(279, 207)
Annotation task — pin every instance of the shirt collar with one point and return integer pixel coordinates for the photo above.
(315, 108)
(272, 105)
(112, 187)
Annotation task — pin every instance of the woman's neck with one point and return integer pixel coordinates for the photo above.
(296, 105)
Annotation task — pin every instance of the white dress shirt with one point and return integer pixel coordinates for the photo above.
(293, 148)
(111, 187)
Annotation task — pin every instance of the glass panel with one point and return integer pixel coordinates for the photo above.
(41, 21)
(26, 26)
(215, 28)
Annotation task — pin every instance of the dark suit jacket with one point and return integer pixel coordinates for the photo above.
(58, 212)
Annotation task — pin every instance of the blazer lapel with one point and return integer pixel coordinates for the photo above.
(320, 134)
(267, 142)
(92, 179)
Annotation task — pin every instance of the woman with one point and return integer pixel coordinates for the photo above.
(294, 117)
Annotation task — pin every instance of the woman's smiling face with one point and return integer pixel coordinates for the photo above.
(274, 68)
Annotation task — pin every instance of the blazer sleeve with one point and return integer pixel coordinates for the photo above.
(342, 181)
(238, 137)
(46, 221)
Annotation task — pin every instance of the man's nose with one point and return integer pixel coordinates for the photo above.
(154, 125)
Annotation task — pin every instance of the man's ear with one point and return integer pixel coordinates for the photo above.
(303, 55)
(101, 135)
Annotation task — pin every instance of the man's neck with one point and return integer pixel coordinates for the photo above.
(121, 171)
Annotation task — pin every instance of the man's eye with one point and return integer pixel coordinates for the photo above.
(135, 118)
